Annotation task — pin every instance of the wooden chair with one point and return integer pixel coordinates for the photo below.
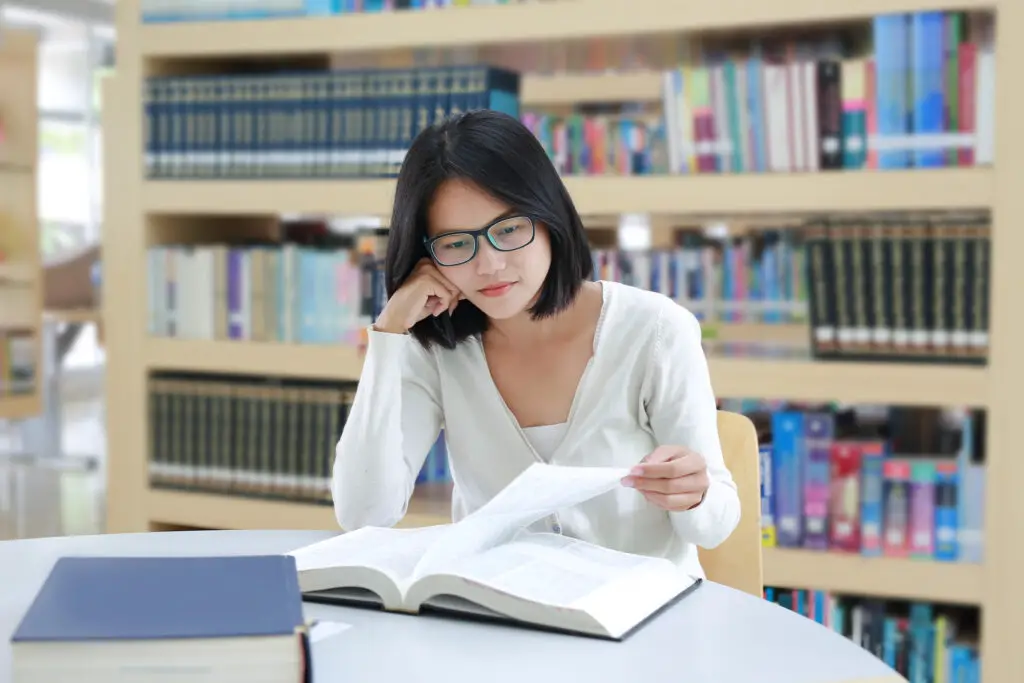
(737, 561)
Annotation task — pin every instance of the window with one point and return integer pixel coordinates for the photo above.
(65, 183)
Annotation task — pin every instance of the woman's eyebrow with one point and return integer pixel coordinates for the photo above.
(500, 216)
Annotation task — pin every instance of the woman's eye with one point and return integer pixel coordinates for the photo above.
(455, 245)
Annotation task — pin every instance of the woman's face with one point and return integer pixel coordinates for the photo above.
(502, 284)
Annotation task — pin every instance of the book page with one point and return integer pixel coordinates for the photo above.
(557, 581)
(549, 568)
(394, 552)
(539, 491)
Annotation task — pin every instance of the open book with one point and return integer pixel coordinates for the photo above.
(491, 564)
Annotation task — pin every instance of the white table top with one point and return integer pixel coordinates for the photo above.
(715, 635)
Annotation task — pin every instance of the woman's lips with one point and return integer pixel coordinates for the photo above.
(497, 289)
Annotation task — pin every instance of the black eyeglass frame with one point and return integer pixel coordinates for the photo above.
(429, 242)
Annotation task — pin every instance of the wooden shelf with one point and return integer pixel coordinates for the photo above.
(168, 508)
(18, 274)
(596, 195)
(573, 89)
(21, 271)
(18, 86)
(306, 361)
(784, 335)
(889, 383)
(561, 20)
(20, 407)
(733, 377)
(941, 582)
(19, 307)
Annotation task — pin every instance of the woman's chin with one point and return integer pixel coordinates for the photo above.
(501, 312)
(501, 308)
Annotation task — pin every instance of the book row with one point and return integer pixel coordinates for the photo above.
(748, 278)
(18, 351)
(907, 287)
(826, 484)
(251, 436)
(923, 642)
(872, 287)
(291, 293)
(601, 144)
(164, 11)
(343, 123)
(894, 482)
(920, 97)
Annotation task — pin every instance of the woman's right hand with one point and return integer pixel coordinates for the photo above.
(425, 292)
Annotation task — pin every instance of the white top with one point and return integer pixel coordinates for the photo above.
(545, 439)
(647, 385)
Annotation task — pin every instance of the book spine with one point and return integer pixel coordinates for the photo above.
(946, 505)
(768, 529)
(787, 456)
(896, 502)
(872, 492)
(844, 531)
(819, 430)
(830, 114)
(922, 510)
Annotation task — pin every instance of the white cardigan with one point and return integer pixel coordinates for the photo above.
(647, 385)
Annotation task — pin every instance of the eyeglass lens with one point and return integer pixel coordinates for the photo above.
(507, 235)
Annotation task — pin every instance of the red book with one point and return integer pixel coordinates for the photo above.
(844, 496)
(896, 508)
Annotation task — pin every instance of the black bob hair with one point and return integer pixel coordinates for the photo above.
(498, 154)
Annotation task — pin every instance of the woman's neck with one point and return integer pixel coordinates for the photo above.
(523, 331)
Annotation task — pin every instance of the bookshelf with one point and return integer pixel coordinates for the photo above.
(801, 380)
(523, 23)
(756, 194)
(21, 275)
(150, 211)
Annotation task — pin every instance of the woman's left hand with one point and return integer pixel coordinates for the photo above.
(672, 477)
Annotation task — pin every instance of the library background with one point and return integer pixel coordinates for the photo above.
(194, 201)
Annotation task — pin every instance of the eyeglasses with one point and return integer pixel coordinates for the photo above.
(505, 234)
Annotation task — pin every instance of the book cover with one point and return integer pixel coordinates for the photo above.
(133, 598)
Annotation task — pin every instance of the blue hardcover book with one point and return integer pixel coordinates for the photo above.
(946, 494)
(108, 616)
(787, 460)
(820, 607)
(891, 36)
(926, 71)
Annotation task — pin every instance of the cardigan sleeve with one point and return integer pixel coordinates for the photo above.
(394, 419)
(682, 411)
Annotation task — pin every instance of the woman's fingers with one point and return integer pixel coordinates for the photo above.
(447, 283)
(441, 294)
(446, 292)
(428, 268)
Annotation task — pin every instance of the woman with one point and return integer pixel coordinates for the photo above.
(494, 331)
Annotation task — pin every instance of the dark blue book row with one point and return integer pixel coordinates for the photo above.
(355, 123)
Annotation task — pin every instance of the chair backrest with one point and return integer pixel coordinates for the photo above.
(737, 562)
